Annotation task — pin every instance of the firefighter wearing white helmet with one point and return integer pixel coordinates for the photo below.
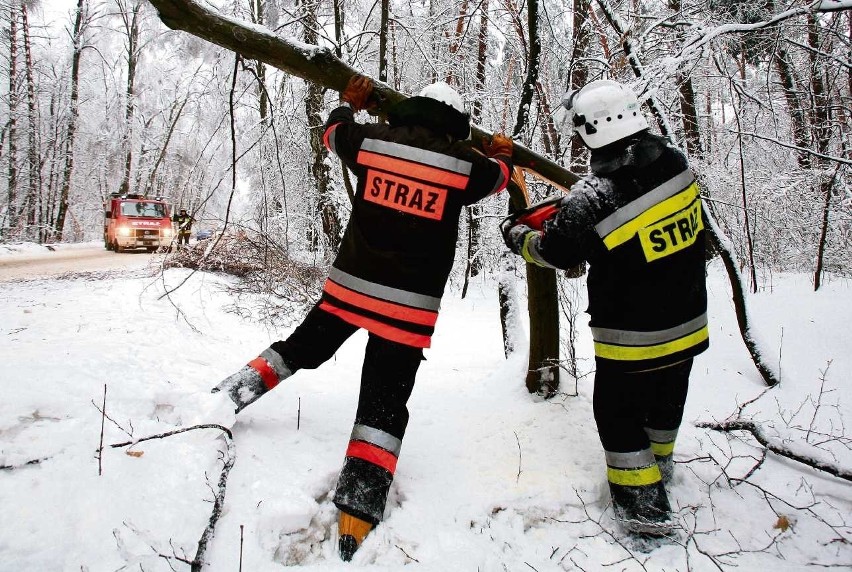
(637, 221)
(415, 175)
(604, 112)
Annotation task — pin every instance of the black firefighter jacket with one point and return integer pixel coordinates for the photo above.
(398, 248)
(637, 220)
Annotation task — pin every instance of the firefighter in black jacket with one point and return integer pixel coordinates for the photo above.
(637, 221)
(415, 174)
(183, 223)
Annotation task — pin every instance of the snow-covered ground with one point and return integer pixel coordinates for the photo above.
(490, 478)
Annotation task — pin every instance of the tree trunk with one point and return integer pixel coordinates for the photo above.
(826, 189)
(320, 171)
(723, 246)
(130, 19)
(383, 43)
(532, 60)
(34, 188)
(474, 234)
(12, 221)
(317, 65)
(74, 112)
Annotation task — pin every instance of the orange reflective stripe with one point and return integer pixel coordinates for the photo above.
(326, 137)
(372, 454)
(389, 309)
(380, 329)
(411, 169)
(503, 182)
(267, 374)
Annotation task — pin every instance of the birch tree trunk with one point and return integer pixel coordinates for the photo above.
(73, 115)
(32, 201)
(12, 221)
(130, 20)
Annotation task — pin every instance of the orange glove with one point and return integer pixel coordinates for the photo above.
(358, 92)
(499, 145)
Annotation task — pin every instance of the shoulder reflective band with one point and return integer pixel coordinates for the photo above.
(628, 345)
(328, 138)
(377, 437)
(503, 181)
(415, 162)
(372, 454)
(412, 299)
(667, 199)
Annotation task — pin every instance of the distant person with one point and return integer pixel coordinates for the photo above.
(415, 175)
(183, 226)
(637, 221)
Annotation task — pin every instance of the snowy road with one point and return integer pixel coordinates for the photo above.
(89, 258)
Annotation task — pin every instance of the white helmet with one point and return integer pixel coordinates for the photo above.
(604, 111)
(442, 92)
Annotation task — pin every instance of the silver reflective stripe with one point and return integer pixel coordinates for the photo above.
(631, 460)
(431, 158)
(633, 209)
(331, 142)
(631, 338)
(274, 360)
(385, 292)
(378, 438)
(661, 435)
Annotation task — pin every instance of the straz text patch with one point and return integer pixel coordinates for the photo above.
(672, 234)
(406, 195)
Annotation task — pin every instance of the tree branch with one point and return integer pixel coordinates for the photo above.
(312, 63)
(762, 438)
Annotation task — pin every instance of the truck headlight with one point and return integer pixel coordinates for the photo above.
(124, 231)
(167, 232)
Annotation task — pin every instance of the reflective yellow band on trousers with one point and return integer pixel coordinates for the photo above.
(634, 477)
(636, 353)
(662, 449)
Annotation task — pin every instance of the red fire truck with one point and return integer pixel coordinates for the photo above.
(136, 221)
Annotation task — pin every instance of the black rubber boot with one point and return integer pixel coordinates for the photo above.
(642, 509)
(666, 464)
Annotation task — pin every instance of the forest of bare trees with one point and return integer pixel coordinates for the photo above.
(102, 97)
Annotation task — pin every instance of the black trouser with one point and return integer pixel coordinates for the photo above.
(183, 237)
(625, 404)
(387, 379)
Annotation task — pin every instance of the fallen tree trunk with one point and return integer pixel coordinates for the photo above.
(312, 63)
(321, 66)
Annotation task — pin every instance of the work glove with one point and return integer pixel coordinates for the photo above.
(498, 145)
(358, 92)
(256, 378)
(516, 236)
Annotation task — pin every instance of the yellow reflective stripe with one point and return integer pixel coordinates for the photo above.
(634, 477)
(657, 212)
(636, 353)
(662, 449)
(528, 254)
